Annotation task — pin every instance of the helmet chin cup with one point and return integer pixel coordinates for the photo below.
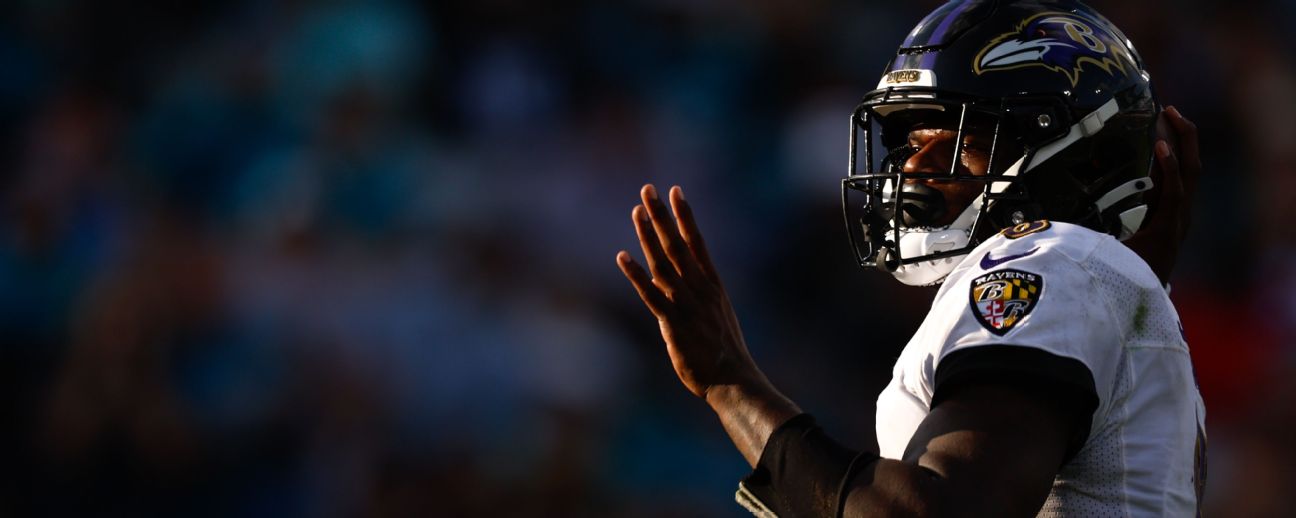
(926, 242)
(916, 243)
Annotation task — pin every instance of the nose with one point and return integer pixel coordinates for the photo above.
(924, 200)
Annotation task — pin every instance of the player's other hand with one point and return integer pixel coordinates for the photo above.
(1178, 169)
(683, 291)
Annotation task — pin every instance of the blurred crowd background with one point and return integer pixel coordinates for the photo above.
(352, 258)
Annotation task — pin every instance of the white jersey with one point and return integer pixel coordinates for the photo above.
(1077, 294)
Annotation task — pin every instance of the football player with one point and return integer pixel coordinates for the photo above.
(1004, 155)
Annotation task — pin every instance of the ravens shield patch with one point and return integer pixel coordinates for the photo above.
(1001, 299)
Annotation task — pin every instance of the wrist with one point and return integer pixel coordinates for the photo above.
(755, 406)
(729, 396)
(750, 408)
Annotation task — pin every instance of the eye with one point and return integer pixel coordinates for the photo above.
(974, 147)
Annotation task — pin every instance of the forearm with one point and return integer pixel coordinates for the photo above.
(750, 412)
(887, 487)
(804, 472)
(988, 449)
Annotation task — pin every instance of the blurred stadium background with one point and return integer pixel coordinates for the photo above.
(356, 258)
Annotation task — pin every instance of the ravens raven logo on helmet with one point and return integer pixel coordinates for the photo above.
(1061, 42)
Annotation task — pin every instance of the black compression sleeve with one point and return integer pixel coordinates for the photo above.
(802, 472)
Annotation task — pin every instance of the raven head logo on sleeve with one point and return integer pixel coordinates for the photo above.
(1061, 42)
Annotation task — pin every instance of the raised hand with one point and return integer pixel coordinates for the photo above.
(697, 320)
(1178, 169)
(698, 323)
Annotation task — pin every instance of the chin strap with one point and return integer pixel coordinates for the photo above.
(1087, 127)
(1130, 219)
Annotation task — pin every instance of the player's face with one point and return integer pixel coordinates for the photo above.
(935, 149)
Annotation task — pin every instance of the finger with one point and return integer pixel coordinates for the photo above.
(1171, 199)
(1156, 173)
(1190, 161)
(1171, 179)
(648, 292)
(1158, 198)
(1189, 149)
(669, 234)
(692, 236)
(664, 274)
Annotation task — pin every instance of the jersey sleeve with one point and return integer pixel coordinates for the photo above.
(1027, 311)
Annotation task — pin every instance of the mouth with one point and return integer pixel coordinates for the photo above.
(923, 206)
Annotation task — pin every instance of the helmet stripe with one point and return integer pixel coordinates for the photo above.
(930, 58)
